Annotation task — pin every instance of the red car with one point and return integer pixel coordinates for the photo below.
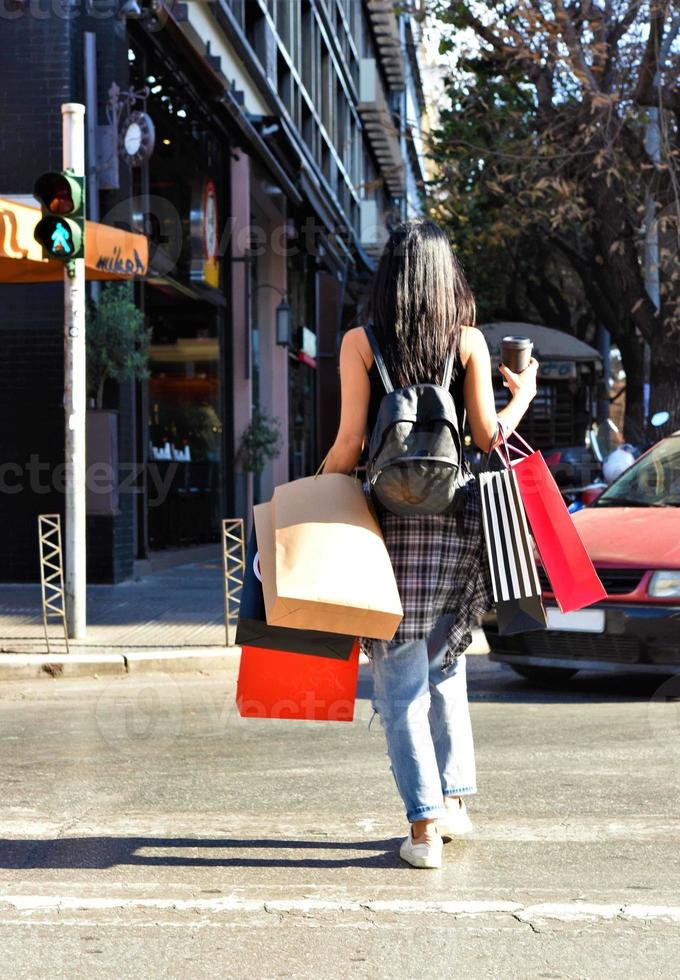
(632, 534)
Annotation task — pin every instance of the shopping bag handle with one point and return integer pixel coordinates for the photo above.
(522, 440)
(507, 447)
(323, 463)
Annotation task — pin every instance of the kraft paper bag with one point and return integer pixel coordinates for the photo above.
(253, 631)
(331, 569)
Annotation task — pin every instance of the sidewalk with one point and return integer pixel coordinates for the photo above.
(170, 620)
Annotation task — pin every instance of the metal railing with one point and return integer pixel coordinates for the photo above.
(52, 573)
(234, 564)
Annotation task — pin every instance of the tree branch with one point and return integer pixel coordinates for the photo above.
(579, 64)
(650, 59)
(623, 25)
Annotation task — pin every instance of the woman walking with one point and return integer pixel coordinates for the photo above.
(421, 307)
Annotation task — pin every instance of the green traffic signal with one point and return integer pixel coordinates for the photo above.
(59, 237)
(61, 232)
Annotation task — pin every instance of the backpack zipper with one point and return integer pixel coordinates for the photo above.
(410, 459)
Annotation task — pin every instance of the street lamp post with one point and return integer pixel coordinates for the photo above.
(75, 396)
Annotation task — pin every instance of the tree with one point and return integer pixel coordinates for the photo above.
(117, 340)
(546, 178)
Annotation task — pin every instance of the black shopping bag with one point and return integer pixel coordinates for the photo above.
(516, 587)
(252, 629)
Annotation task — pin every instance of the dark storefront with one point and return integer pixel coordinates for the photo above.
(183, 189)
(302, 368)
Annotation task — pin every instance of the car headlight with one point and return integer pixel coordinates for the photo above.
(665, 585)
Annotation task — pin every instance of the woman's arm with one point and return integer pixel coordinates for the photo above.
(479, 394)
(355, 391)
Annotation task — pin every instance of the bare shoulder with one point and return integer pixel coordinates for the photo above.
(357, 339)
(472, 344)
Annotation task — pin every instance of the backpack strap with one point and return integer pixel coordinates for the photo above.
(379, 361)
(446, 383)
(448, 370)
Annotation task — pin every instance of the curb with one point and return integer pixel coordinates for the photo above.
(172, 661)
(23, 666)
(31, 666)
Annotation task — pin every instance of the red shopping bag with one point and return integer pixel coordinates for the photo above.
(279, 684)
(572, 575)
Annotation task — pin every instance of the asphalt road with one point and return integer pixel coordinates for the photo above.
(148, 831)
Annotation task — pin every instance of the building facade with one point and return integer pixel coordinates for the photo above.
(264, 147)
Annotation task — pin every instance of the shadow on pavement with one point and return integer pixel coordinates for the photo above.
(107, 852)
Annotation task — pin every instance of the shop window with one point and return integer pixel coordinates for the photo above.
(184, 307)
(185, 431)
(184, 399)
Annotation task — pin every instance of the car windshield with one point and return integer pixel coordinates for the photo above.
(653, 481)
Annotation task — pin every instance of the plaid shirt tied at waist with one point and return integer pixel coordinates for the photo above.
(441, 567)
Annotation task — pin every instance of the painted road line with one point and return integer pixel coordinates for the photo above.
(162, 830)
(561, 911)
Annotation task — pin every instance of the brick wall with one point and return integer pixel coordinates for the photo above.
(41, 69)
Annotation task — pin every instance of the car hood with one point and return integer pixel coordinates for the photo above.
(640, 537)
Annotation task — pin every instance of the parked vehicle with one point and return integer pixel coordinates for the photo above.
(573, 468)
(614, 464)
(632, 534)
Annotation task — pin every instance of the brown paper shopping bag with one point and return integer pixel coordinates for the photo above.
(331, 569)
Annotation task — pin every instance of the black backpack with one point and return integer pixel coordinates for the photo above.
(415, 453)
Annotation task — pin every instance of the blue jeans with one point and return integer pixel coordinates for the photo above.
(426, 719)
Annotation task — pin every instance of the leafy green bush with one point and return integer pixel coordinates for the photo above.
(117, 340)
(260, 441)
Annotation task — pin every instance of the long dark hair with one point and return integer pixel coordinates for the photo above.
(419, 300)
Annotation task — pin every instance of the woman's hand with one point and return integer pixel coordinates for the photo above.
(523, 384)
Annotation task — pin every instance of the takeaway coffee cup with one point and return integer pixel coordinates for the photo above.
(516, 353)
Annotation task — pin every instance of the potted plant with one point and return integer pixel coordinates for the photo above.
(117, 343)
(260, 441)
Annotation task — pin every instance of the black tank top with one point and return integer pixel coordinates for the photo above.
(378, 391)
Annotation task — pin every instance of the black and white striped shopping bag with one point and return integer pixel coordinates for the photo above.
(516, 588)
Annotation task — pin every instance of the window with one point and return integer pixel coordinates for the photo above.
(252, 23)
(309, 47)
(327, 107)
(238, 9)
(285, 83)
(338, 135)
(308, 125)
(283, 20)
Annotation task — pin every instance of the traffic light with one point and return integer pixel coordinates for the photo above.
(61, 231)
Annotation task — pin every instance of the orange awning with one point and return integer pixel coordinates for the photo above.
(110, 253)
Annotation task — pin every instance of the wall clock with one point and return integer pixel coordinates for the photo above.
(137, 138)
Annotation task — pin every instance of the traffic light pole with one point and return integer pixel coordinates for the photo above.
(75, 397)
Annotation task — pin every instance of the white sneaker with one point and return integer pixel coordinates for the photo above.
(456, 823)
(423, 855)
